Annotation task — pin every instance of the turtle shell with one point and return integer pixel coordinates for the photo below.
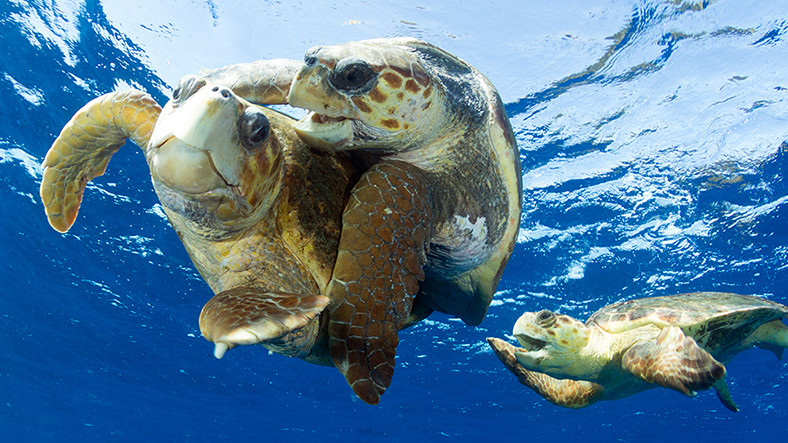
(699, 314)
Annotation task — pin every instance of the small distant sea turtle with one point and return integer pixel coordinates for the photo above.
(443, 190)
(679, 342)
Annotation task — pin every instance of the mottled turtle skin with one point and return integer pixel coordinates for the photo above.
(680, 342)
(258, 212)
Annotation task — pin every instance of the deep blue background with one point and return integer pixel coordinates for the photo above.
(653, 141)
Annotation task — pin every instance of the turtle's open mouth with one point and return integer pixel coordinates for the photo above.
(532, 352)
(530, 344)
(325, 132)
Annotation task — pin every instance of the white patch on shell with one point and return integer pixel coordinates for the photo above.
(460, 245)
(477, 230)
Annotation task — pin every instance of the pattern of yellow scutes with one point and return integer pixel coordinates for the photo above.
(87, 142)
(401, 96)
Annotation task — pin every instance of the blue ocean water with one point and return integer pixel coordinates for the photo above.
(654, 146)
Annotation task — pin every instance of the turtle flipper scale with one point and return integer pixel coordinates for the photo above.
(673, 361)
(266, 82)
(562, 392)
(385, 230)
(246, 316)
(85, 145)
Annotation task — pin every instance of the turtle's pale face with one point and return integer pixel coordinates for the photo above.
(215, 149)
(550, 342)
(370, 94)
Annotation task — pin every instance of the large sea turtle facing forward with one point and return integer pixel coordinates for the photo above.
(679, 342)
(258, 212)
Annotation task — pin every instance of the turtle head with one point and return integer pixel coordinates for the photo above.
(551, 343)
(214, 158)
(372, 94)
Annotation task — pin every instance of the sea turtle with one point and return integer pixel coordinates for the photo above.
(679, 342)
(258, 212)
(266, 266)
(435, 214)
(443, 190)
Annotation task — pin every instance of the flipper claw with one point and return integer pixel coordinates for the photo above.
(247, 316)
(219, 349)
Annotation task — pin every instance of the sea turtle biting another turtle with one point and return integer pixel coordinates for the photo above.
(679, 342)
(443, 153)
(437, 210)
(262, 228)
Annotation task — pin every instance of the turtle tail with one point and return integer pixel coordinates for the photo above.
(82, 150)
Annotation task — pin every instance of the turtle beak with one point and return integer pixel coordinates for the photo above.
(530, 343)
(533, 349)
(185, 168)
(194, 145)
(527, 333)
(530, 360)
(325, 133)
(330, 124)
(532, 352)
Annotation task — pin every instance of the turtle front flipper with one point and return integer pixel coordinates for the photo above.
(385, 230)
(673, 361)
(266, 82)
(567, 393)
(82, 150)
(248, 316)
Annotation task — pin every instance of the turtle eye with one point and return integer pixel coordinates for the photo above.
(187, 86)
(310, 58)
(545, 318)
(254, 127)
(353, 76)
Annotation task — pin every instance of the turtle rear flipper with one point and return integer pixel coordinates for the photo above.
(247, 316)
(82, 150)
(385, 230)
(724, 394)
(772, 336)
(673, 361)
(562, 392)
